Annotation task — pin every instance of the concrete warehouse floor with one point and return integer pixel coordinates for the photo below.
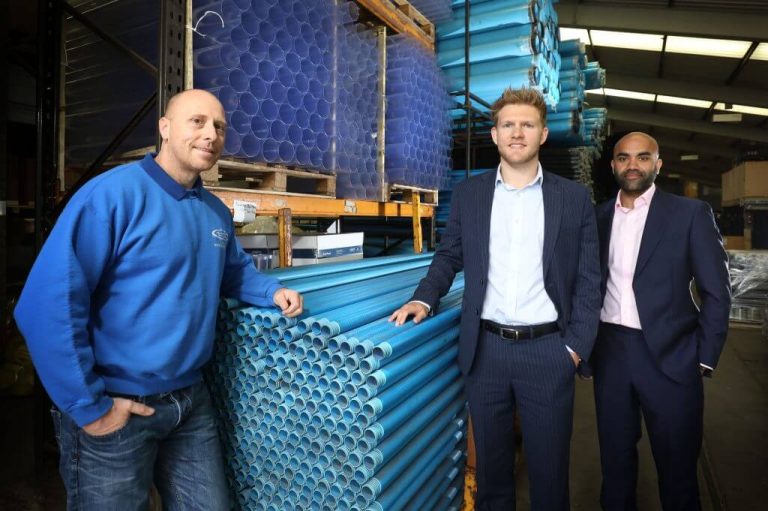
(733, 470)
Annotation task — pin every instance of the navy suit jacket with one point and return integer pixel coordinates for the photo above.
(570, 260)
(680, 242)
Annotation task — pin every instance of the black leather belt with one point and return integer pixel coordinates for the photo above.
(520, 332)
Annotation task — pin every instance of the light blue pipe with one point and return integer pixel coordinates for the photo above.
(433, 399)
(488, 16)
(433, 489)
(358, 314)
(399, 493)
(491, 45)
(388, 351)
(307, 285)
(430, 417)
(429, 359)
(427, 445)
(316, 302)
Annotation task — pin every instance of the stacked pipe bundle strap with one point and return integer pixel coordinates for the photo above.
(339, 409)
(514, 43)
(418, 124)
(297, 80)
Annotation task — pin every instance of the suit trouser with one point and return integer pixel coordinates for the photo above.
(628, 382)
(536, 377)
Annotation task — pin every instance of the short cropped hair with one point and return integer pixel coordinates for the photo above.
(524, 96)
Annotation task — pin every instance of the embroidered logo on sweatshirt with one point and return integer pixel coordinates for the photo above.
(220, 238)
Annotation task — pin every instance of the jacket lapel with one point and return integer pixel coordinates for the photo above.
(484, 206)
(604, 226)
(655, 225)
(553, 211)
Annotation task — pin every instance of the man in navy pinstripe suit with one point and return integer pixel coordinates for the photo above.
(527, 243)
(654, 343)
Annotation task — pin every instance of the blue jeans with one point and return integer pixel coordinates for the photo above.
(177, 449)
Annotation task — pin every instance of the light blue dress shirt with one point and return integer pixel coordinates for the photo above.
(515, 293)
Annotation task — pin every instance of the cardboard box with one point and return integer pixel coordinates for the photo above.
(733, 242)
(750, 179)
(311, 248)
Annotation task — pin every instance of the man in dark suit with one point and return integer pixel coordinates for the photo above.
(527, 242)
(654, 343)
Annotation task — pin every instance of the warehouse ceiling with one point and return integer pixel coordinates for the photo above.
(683, 89)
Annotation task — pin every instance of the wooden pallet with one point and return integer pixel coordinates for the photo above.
(402, 17)
(404, 193)
(261, 176)
(410, 11)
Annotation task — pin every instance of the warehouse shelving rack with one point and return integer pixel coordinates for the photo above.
(173, 74)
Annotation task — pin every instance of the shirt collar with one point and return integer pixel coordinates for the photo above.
(536, 180)
(166, 182)
(643, 200)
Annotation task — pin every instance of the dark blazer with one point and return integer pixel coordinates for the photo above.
(680, 242)
(570, 260)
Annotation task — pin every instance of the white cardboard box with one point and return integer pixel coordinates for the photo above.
(312, 248)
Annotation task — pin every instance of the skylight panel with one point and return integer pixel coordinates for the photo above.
(618, 93)
(574, 33)
(761, 52)
(743, 109)
(673, 100)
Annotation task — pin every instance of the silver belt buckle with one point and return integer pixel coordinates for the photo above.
(505, 331)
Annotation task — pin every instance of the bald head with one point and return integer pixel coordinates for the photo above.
(635, 164)
(182, 98)
(640, 137)
(192, 131)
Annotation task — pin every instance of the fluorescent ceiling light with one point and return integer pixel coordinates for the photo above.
(672, 100)
(642, 96)
(629, 40)
(675, 44)
(743, 109)
(761, 52)
(574, 33)
(708, 47)
(689, 157)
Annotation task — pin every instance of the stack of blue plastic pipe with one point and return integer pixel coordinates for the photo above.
(576, 132)
(356, 113)
(339, 409)
(513, 44)
(418, 123)
(297, 80)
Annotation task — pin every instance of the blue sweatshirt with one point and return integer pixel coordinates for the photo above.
(123, 296)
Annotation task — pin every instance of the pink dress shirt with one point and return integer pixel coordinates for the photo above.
(619, 306)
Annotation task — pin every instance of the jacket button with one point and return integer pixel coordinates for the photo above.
(482, 282)
(477, 312)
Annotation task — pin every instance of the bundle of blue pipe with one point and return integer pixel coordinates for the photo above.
(294, 77)
(339, 409)
(513, 43)
(570, 123)
(576, 132)
(418, 123)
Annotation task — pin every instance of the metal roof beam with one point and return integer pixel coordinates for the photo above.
(693, 90)
(727, 130)
(718, 24)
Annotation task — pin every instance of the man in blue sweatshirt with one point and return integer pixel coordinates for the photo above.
(119, 313)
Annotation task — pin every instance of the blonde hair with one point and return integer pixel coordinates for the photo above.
(524, 96)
